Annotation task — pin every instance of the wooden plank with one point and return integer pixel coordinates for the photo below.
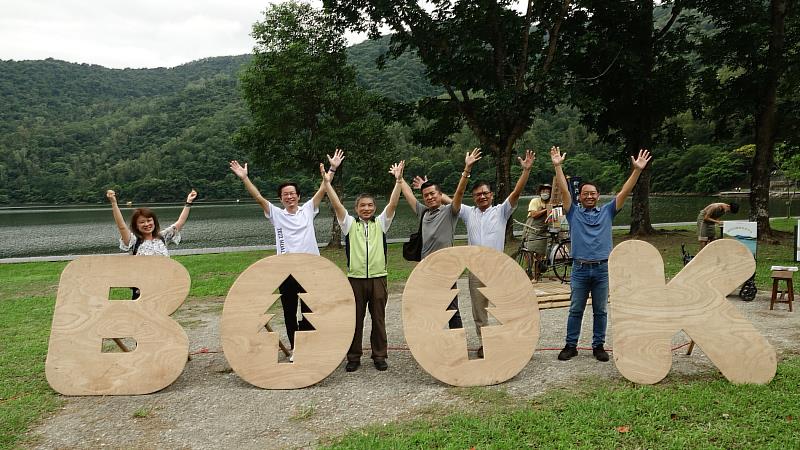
(442, 352)
(252, 351)
(84, 316)
(647, 312)
(561, 304)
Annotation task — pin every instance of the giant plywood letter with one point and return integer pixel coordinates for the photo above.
(252, 351)
(646, 312)
(441, 352)
(84, 316)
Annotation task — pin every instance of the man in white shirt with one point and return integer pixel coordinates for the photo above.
(294, 233)
(486, 225)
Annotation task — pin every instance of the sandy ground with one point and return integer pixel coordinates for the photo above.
(209, 406)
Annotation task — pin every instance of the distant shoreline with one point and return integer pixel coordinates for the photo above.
(247, 200)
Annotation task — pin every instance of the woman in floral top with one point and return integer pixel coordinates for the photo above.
(144, 236)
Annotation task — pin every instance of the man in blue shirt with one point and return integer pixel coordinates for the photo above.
(590, 231)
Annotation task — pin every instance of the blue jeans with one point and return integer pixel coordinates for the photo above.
(586, 278)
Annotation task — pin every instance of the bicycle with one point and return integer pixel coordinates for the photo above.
(558, 256)
(748, 290)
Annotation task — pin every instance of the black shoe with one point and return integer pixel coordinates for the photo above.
(569, 352)
(600, 353)
(352, 366)
(381, 364)
(480, 352)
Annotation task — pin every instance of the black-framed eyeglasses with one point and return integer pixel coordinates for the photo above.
(482, 194)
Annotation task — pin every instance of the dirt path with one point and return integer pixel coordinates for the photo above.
(210, 406)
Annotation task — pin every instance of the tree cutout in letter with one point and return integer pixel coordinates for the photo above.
(84, 317)
(442, 352)
(250, 350)
(647, 312)
(305, 324)
(488, 310)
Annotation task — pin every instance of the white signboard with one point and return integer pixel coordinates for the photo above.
(743, 231)
(797, 241)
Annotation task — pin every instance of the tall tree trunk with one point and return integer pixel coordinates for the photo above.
(503, 172)
(503, 178)
(765, 122)
(641, 225)
(640, 206)
(641, 137)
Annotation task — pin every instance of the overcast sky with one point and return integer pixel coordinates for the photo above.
(132, 33)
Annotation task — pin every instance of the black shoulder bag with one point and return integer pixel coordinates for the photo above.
(412, 250)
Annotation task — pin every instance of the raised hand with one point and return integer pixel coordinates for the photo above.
(641, 161)
(418, 181)
(111, 195)
(192, 195)
(397, 170)
(472, 157)
(326, 177)
(530, 157)
(336, 160)
(556, 157)
(237, 169)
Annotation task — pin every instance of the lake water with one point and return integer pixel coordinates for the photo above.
(90, 229)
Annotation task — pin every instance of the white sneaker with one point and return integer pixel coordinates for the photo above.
(291, 356)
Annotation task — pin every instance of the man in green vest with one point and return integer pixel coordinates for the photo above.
(365, 238)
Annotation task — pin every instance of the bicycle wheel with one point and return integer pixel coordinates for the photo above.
(561, 261)
(749, 290)
(525, 260)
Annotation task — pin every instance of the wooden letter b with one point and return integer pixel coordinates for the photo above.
(84, 316)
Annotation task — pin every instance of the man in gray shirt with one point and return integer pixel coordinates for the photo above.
(439, 221)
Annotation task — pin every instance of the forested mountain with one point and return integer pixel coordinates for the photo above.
(402, 79)
(70, 131)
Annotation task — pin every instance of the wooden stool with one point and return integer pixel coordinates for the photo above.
(777, 276)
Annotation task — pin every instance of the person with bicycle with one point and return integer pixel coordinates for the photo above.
(590, 228)
(486, 225)
(535, 235)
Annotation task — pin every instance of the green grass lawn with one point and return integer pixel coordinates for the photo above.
(27, 296)
(693, 412)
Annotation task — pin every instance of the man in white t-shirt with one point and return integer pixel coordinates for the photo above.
(486, 225)
(294, 233)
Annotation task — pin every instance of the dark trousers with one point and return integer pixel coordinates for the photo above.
(289, 290)
(369, 293)
(455, 321)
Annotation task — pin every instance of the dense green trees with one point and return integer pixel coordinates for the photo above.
(644, 46)
(304, 101)
(749, 80)
(498, 66)
(70, 131)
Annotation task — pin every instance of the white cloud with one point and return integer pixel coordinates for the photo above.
(115, 33)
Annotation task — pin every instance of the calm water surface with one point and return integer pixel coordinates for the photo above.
(87, 229)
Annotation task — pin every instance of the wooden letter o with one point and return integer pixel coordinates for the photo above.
(507, 347)
(252, 351)
(84, 316)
